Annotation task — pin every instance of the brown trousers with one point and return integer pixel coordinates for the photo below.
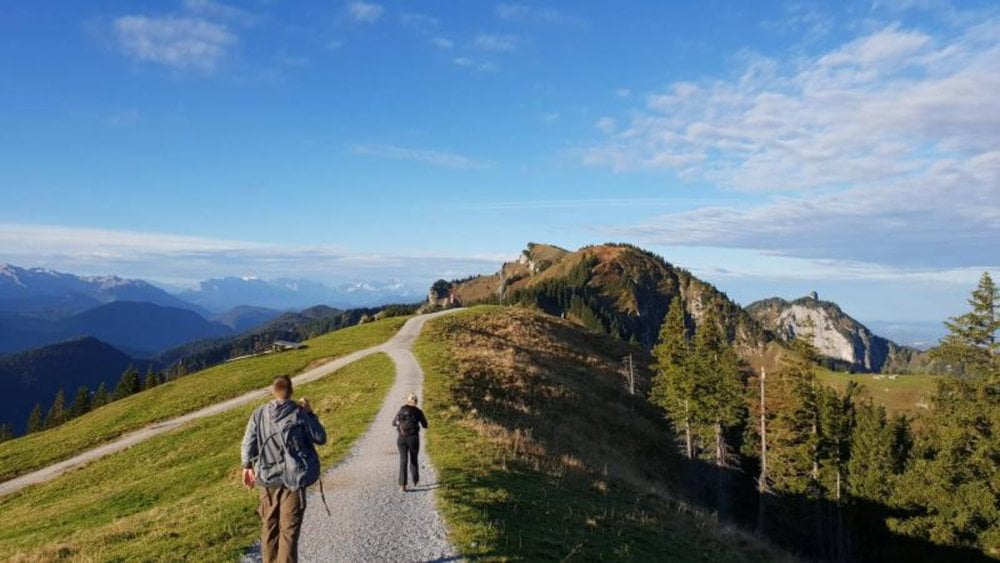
(281, 513)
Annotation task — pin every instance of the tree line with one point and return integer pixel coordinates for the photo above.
(84, 400)
(834, 475)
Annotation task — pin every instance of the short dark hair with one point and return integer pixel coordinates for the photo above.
(283, 383)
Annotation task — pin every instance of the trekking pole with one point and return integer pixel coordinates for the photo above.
(322, 495)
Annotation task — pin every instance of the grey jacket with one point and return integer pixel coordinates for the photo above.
(280, 445)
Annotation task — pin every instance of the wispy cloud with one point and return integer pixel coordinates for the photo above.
(419, 22)
(635, 202)
(219, 11)
(491, 42)
(442, 42)
(178, 42)
(897, 131)
(365, 12)
(536, 14)
(433, 157)
(475, 64)
(180, 259)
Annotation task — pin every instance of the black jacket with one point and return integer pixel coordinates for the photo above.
(415, 413)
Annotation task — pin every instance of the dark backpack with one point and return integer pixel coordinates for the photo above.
(408, 422)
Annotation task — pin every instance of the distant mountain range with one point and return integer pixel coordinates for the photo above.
(49, 294)
(285, 294)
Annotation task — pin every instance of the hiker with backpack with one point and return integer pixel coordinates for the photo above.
(279, 455)
(408, 421)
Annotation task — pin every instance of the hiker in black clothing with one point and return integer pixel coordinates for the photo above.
(408, 421)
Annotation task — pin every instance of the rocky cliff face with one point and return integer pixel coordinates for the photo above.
(839, 337)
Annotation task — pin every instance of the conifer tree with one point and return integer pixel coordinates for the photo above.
(673, 384)
(972, 341)
(81, 403)
(953, 476)
(151, 380)
(58, 412)
(719, 375)
(6, 432)
(36, 423)
(871, 463)
(101, 396)
(129, 384)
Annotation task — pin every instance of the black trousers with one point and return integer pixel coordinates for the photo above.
(409, 447)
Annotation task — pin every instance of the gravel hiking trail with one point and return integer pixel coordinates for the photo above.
(371, 519)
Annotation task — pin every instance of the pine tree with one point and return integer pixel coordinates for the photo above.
(81, 403)
(871, 464)
(58, 413)
(972, 342)
(953, 476)
(719, 376)
(101, 396)
(6, 432)
(129, 384)
(151, 380)
(36, 423)
(792, 420)
(673, 384)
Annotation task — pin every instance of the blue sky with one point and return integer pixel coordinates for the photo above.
(770, 147)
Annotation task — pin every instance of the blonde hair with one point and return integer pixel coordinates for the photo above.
(412, 399)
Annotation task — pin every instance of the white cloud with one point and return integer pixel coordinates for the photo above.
(535, 14)
(419, 22)
(433, 157)
(218, 10)
(606, 125)
(490, 42)
(442, 42)
(474, 64)
(179, 42)
(895, 131)
(180, 259)
(365, 12)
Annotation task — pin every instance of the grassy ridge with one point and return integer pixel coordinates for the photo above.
(541, 454)
(181, 396)
(177, 496)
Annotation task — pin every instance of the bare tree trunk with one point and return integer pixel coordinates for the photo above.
(689, 444)
(815, 454)
(762, 481)
(720, 454)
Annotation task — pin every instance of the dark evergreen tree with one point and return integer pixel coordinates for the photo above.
(151, 380)
(81, 403)
(129, 384)
(6, 432)
(718, 377)
(971, 343)
(59, 412)
(36, 422)
(101, 396)
(673, 384)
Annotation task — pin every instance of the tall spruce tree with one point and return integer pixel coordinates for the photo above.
(151, 380)
(953, 480)
(972, 341)
(81, 403)
(58, 412)
(101, 396)
(673, 384)
(129, 384)
(719, 375)
(870, 468)
(36, 421)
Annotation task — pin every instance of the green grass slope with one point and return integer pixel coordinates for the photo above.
(181, 396)
(900, 394)
(543, 455)
(177, 497)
